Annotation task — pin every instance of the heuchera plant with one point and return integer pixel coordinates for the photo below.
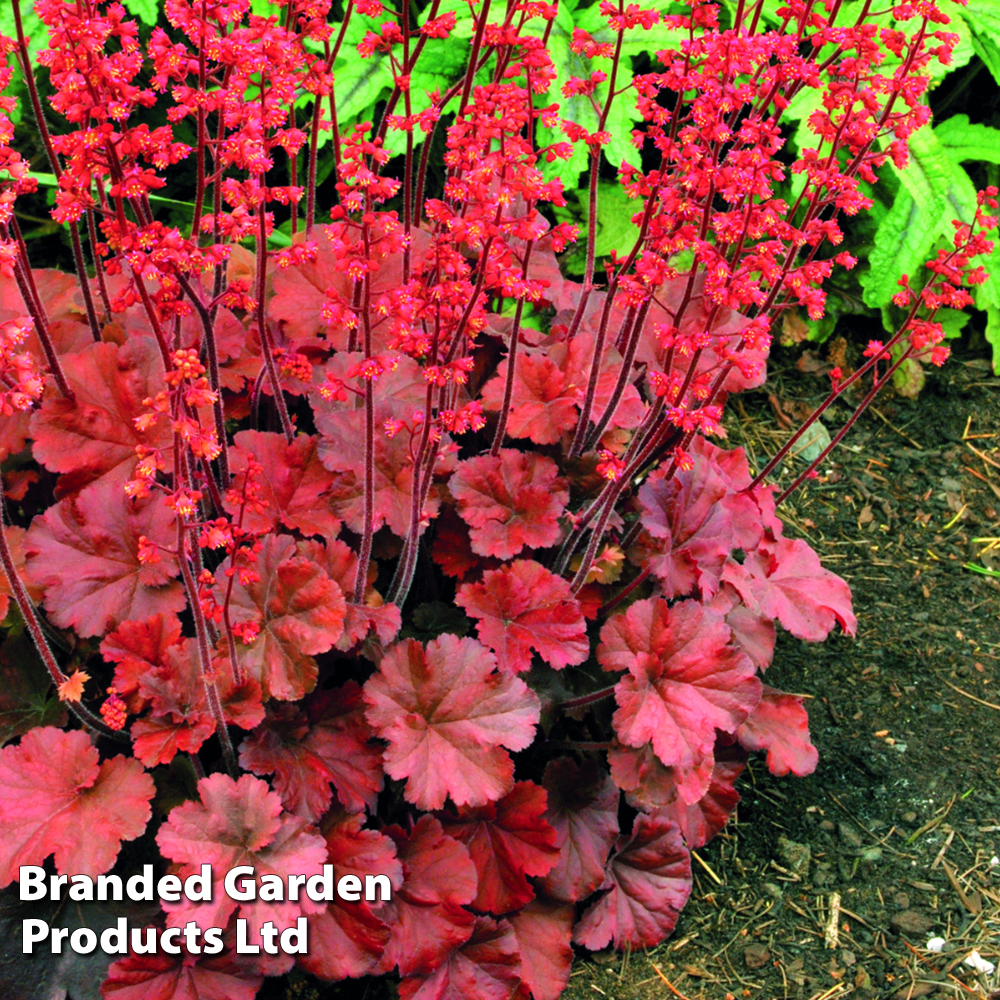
(417, 556)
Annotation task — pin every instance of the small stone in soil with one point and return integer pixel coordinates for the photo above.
(796, 856)
(912, 922)
(756, 956)
(849, 835)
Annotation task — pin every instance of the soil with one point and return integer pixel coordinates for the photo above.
(899, 826)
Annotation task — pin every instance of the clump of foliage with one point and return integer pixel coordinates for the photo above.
(411, 552)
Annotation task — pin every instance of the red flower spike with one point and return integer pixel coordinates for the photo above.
(784, 580)
(326, 742)
(488, 965)
(780, 725)
(56, 797)
(96, 436)
(544, 930)
(507, 840)
(293, 483)
(428, 914)
(179, 977)
(649, 881)
(240, 823)
(583, 810)
(301, 613)
(509, 501)
(84, 553)
(447, 714)
(522, 606)
(685, 680)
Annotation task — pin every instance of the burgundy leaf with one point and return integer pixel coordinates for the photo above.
(84, 553)
(56, 797)
(783, 579)
(427, 915)
(685, 681)
(507, 840)
(648, 881)
(240, 823)
(293, 485)
(326, 742)
(179, 977)
(95, 435)
(347, 938)
(544, 929)
(486, 967)
(300, 611)
(583, 810)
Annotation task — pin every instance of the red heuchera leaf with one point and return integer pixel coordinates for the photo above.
(780, 725)
(239, 823)
(550, 386)
(486, 967)
(509, 501)
(84, 553)
(341, 563)
(507, 840)
(67, 321)
(341, 450)
(583, 810)
(701, 821)
(96, 436)
(753, 632)
(696, 519)
(301, 613)
(649, 784)
(447, 714)
(452, 547)
(293, 484)
(56, 797)
(348, 939)
(137, 648)
(544, 929)
(783, 579)
(427, 915)
(307, 749)
(179, 977)
(649, 881)
(300, 290)
(180, 718)
(521, 607)
(685, 680)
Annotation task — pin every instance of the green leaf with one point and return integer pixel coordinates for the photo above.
(38, 38)
(146, 10)
(902, 245)
(983, 18)
(928, 174)
(993, 335)
(962, 141)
